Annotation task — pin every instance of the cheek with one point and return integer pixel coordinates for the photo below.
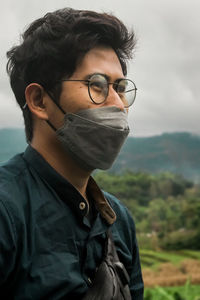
(56, 118)
(77, 101)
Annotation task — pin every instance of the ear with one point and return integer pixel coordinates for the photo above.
(35, 99)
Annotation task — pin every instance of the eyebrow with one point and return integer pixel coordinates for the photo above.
(96, 73)
(104, 75)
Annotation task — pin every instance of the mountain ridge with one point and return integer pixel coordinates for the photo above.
(176, 152)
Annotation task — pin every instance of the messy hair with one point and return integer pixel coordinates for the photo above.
(52, 46)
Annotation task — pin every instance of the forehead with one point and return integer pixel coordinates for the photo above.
(100, 60)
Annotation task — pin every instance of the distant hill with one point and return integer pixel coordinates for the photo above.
(173, 152)
(12, 141)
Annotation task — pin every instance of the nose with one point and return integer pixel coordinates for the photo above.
(113, 99)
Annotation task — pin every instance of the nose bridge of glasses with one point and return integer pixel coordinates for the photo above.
(113, 87)
(113, 97)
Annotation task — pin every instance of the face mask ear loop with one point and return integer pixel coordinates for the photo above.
(51, 125)
(52, 98)
(55, 102)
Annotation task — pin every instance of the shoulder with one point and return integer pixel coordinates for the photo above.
(13, 174)
(11, 169)
(123, 229)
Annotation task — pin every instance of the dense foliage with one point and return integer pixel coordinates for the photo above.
(165, 207)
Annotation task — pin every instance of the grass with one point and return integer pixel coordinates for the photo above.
(165, 269)
(190, 253)
(186, 292)
(152, 259)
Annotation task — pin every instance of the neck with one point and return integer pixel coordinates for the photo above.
(64, 165)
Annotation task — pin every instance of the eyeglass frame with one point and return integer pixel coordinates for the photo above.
(108, 83)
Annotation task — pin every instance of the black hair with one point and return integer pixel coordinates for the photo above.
(51, 47)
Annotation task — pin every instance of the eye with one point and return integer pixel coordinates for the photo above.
(98, 83)
(121, 88)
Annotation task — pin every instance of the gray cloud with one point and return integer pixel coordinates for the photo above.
(165, 67)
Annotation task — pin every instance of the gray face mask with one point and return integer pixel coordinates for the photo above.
(94, 137)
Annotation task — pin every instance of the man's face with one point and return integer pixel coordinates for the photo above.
(74, 95)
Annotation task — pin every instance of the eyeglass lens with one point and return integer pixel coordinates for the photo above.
(99, 87)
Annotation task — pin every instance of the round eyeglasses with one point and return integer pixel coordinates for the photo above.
(98, 89)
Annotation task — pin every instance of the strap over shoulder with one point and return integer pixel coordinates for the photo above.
(111, 279)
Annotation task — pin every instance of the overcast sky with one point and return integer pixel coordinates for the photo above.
(165, 68)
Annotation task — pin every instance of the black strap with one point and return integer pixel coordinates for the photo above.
(111, 279)
(123, 277)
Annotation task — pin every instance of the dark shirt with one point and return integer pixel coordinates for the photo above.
(49, 247)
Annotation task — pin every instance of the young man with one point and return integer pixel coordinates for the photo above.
(68, 76)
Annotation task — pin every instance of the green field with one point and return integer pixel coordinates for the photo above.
(152, 259)
(178, 272)
(187, 292)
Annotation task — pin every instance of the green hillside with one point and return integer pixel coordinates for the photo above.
(169, 152)
(173, 152)
(12, 141)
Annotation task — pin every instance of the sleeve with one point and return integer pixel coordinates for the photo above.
(7, 246)
(133, 268)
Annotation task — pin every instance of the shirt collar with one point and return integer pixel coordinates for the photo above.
(66, 191)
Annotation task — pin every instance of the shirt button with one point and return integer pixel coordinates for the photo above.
(82, 205)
